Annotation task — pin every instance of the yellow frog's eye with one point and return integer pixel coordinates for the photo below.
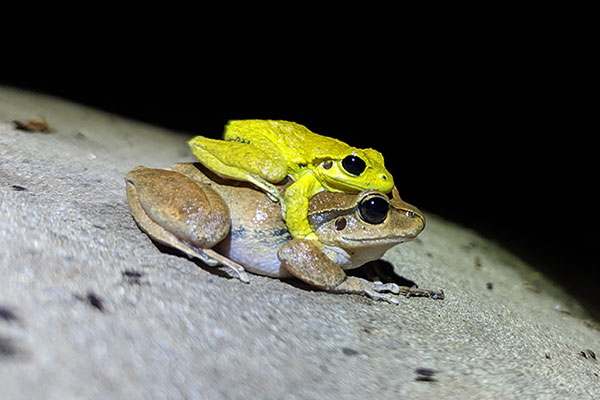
(354, 165)
(373, 209)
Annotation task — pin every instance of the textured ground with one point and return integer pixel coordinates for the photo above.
(91, 309)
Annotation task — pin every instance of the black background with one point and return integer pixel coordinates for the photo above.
(486, 113)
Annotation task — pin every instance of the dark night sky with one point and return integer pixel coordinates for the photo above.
(485, 113)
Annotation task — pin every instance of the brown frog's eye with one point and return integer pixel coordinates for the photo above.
(354, 165)
(374, 209)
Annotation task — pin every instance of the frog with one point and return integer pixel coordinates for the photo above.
(234, 224)
(265, 152)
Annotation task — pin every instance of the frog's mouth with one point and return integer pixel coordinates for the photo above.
(336, 183)
(380, 240)
(348, 183)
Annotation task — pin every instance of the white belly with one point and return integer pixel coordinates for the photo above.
(256, 250)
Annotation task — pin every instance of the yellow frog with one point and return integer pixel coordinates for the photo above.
(264, 152)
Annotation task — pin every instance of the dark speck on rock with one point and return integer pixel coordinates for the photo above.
(589, 354)
(132, 277)
(425, 371)
(8, 348)
(349, 352)
(7, 314)
(95, 301)
(92, 299)
(425, 374)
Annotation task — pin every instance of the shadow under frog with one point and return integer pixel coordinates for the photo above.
(231, 223)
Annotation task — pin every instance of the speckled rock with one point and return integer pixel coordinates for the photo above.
(90, 308)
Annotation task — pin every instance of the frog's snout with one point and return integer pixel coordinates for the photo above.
(387, 182)
(410, 218)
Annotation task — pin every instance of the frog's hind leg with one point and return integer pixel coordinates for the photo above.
(243, 162)
(140, 188)
(307, 262)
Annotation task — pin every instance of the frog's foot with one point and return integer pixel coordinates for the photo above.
(306, 261)
(216, 259)
(375, 290)
(380, 291)
(207, 256)
(378, 286)
(242, 162)
(213, 259)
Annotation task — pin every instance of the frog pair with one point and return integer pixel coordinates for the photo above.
(221, 221)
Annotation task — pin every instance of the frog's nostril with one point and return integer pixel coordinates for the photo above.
(384, 177)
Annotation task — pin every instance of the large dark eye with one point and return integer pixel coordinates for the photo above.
(354, 165)
(373, 210)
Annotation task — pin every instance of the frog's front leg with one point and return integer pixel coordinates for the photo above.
(295, 206)
(307, 262)
(180, 213)
(257, 163)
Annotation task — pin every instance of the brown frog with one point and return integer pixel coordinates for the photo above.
(235, 224)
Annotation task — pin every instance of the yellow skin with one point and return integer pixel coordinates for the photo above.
(264, 152)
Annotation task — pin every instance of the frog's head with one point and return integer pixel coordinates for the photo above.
(365, 225)
(358, 170)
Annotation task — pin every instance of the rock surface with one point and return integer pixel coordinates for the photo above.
(90, 308)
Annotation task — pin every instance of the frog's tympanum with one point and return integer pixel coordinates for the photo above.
(234, 224)
(264, 152)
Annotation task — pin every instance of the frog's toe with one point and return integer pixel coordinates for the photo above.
(273, 197)
(386, 287)
(205, 259)
(375, 295)
(382, 291)
(243, 276)
(238, 270)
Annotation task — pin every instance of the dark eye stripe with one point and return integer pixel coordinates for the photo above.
(319, 218)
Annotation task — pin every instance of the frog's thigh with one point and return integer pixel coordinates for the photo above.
(305, 260)
(241, 161)
(190, 210)
(160, 202)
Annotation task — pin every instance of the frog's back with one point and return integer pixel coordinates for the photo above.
(298, 144)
